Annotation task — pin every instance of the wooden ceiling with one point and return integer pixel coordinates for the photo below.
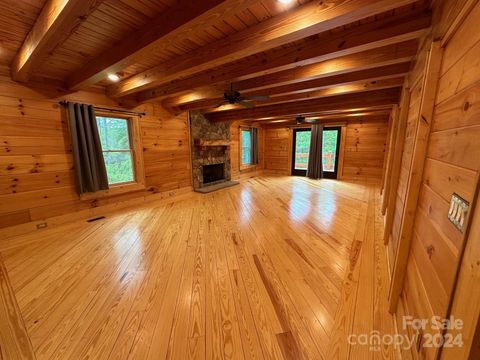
(315, 58)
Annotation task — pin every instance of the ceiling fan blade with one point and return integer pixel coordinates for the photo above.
(258, 98)
(247, 104)
(221, 104)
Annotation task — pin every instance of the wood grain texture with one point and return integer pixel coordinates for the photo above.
(366, 76)
(365, 148)
(163, 30)
(178, 279)
(378, 57)
(58, 19)
(314, 49)
(331, 104)
(420, 144)
(36, 166)
(309, 19)
(450, 166)
(363, 153)
(14, 339)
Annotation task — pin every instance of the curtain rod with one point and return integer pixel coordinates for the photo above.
(120, 111)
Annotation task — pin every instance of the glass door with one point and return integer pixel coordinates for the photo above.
(330, 149)
(331, 146)
(301, 149)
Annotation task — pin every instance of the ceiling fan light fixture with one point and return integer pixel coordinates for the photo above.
(113, 77)
(285, 2)
(300, 119)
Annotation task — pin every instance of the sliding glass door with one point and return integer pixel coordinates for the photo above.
(301, 149)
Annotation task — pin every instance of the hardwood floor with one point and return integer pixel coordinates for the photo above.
(276, 268)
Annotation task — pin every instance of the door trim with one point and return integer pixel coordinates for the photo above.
(334, 174)
(297, 172)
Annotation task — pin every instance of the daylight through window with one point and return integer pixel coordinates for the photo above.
(117, 149)
(246, 146)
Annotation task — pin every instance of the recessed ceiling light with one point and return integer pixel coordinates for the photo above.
(284, 1)
(113, 77)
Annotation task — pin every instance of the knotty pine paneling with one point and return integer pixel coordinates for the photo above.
(412, 118)
(278, 150)
(364, 152)
(36, 167)
(365, 148)
(452, 165)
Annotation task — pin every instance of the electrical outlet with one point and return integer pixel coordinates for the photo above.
(457, 213)
(42, 225)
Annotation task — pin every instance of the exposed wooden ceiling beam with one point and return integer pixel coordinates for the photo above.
(321, 120)
(383, 110)
(185, 103)
(315, 94)
(349, 113)
(365, 100)
(386, 55)
(342, 116)
(56, 22)
(336, 113)
(314, 49)
(306, 20)
(185, 17)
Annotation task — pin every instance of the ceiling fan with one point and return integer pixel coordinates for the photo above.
(303, 120)
(234, 97)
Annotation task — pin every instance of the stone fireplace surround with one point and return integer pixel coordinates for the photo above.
(202, 128)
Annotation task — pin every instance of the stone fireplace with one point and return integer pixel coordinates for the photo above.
(210, 144)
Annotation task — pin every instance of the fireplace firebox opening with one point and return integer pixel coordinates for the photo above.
(212, 173)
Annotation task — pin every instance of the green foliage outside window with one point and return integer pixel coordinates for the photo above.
(302, 149)
(246, 147)
(115, 140)
(329, 149)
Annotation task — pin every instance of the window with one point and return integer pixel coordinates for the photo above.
(246, 138)
(117, 149)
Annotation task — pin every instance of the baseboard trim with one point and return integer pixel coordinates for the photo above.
(25, 228)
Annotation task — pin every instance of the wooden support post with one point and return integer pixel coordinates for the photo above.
(429, 91)
(387, 163)
(391, 192)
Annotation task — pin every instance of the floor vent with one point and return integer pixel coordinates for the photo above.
(95, 219)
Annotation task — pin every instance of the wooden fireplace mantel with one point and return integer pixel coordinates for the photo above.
(206, 142)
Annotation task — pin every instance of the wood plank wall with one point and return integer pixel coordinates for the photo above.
(36, 176)
(365, 148)
(278, 150)
(452, 165)
(412, 122)
(363, 154)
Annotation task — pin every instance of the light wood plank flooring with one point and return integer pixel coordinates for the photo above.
(275, 268)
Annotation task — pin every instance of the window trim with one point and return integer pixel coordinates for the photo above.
(240, 148)
(133, 124)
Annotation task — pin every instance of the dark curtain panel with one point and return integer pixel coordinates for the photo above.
(254, 133)
(315, 166)
(90, 172)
